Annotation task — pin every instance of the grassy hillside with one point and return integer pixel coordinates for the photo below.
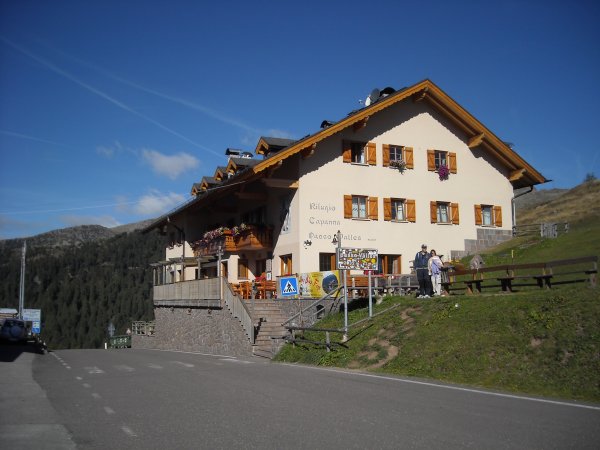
(533, 341)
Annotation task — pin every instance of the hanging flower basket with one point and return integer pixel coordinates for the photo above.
(443, 173)
(399, 164)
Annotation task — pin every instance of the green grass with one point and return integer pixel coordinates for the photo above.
(534, 341)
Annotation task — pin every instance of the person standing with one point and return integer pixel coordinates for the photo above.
(435, 270)
(421, 265)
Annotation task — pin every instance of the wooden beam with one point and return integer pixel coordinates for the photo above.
(516, 175)
(259, 196)
(420, 96)
(360, 124)
(280, 183)
(308, 151)
(476, 140)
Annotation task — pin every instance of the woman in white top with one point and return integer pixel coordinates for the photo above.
(435, 270)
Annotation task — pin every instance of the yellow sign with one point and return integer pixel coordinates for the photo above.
(318, 284)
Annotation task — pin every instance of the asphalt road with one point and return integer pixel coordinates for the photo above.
(148, 399)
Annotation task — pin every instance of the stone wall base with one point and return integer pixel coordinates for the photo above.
(486, 238)
(204, 330)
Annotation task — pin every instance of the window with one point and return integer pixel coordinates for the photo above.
(399, 210)
(389, 264)
(488, 215)
(326, 261)
(441, 159)
(437, 158)
(397, 153)
(444, 212)
(286, 264)
(242, 268)
(360, 207)
(359, 152)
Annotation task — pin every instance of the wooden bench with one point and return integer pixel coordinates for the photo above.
(507, 275)
(471, 283)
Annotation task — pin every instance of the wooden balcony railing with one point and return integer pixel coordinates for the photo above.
(252, 238)
(225, 241)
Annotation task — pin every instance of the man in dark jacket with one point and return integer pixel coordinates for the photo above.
(421, 267)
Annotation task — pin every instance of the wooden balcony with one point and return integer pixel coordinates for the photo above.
(254, 238)
(226, 243)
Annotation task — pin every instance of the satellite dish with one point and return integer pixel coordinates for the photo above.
(373, 97)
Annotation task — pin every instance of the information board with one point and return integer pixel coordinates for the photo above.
(357, 258)
(35, 317)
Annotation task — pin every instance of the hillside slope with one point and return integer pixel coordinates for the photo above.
(577, 205)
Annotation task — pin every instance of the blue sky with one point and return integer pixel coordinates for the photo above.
(110, 110)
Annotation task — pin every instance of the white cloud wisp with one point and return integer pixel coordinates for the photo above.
(169, 165)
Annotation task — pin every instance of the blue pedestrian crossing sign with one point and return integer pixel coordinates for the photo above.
(288, 286)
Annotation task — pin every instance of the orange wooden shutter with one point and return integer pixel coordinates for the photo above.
(478, 216)
(373, 209)
(387, 209)
(408, 157)
(347, 206)
(452, 162)
(454, 209)
(386, 155)
(347, 151)
(371, 154)
(398, 264)
(411, 213)
(433, 211)
(431, 160)
(498, 216)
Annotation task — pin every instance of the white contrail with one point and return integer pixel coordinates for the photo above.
(78, 208)
(32, 138)
(105, 96)
(203, 109)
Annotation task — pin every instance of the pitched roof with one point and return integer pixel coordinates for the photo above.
(268, 145)
(522, 173)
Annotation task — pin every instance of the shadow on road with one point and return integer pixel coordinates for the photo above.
(9, 352)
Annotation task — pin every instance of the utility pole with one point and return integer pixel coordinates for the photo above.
(22, 284)
(338, 240)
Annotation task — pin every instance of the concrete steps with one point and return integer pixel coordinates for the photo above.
(269, 318)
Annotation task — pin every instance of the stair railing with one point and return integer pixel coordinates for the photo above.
(239, 310)
(335, 292)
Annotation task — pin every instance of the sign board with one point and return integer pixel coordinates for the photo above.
(318, 284)
(288, 287)
(357, 258)
(35, 317)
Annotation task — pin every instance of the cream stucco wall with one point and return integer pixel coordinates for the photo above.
(325, 178)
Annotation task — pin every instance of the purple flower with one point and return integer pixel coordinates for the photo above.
(443, 172)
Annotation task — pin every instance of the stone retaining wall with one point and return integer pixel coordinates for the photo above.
(213, 331)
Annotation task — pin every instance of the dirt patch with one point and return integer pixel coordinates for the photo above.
(368, 358)
(535, 342)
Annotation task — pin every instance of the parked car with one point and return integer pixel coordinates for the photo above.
(13, 330)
